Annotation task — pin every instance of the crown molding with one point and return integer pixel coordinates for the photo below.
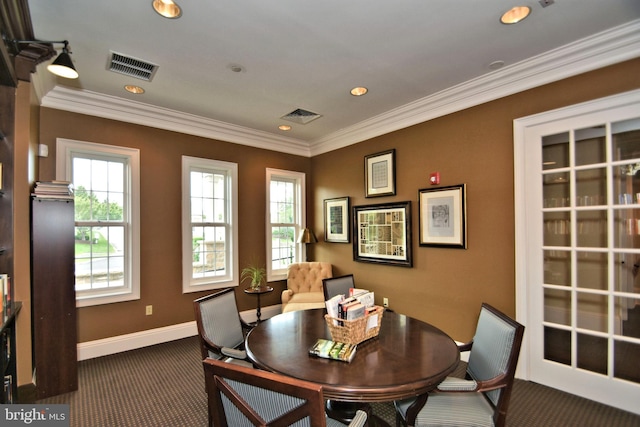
(599, 50)
(609, 47)
(124, 110)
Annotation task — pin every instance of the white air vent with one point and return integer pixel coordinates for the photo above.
(301, 116)
(119, 63)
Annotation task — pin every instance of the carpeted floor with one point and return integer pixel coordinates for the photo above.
(163, 385)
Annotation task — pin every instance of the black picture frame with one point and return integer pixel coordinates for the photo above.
(380, 174)
(336, 220)
(382, 234)
(443, 217)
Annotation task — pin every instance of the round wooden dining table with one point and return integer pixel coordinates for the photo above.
(407, 358)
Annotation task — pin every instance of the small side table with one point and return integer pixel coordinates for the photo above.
(261, 290)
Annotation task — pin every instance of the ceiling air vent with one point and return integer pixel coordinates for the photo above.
(301, 116)
(132, 67)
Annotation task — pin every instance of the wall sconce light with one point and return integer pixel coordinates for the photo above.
(62, 66)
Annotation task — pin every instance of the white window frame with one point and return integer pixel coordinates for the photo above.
(65, 149)
(300, 220)
(189, 283)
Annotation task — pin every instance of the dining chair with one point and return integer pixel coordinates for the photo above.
(220, 328)
(238, 396)
(482, 397)
(337, 286)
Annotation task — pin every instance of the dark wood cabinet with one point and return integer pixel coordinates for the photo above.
(8, 352)
(53, 297)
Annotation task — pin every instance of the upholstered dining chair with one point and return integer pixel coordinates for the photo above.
(220, 327)
(482, 397)
(238, 396)
(337, 286)
(304, 286)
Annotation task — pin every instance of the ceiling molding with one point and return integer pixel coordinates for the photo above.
(124, 110)
(603, 49)
(609, 47)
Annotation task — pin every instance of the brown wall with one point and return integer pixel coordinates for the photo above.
(160, 234)
(445, 286)
(475, 146)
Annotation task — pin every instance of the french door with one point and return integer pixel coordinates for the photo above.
(578, 248)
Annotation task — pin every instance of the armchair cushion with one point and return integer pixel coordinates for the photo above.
(470, 409)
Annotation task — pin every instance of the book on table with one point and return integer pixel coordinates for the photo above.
(333, 350)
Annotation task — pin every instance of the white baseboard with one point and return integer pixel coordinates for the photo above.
(120, 343)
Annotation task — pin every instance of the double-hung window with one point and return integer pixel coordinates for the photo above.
(106, 199)
(285, 220)
(209, 224)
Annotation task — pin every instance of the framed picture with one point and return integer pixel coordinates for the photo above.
(382, 234)
(336, 220)
(380, 174)
(443, 217)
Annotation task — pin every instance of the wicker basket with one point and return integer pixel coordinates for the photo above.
(354, 331)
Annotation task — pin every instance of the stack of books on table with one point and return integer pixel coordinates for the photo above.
(357, 304)
(53, 189)
(333, 350)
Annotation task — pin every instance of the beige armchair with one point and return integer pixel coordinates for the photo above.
(304, 286)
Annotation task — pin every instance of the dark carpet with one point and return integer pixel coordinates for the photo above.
(163, 385)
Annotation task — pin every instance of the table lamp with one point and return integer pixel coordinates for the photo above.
(306, 237)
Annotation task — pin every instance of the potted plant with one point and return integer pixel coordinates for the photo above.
(255, 274)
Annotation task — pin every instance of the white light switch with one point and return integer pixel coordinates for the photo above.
(43, 150)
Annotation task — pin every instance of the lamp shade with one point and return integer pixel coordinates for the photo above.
(63, 66)
(307, 236)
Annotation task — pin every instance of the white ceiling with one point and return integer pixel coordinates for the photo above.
(418, 58)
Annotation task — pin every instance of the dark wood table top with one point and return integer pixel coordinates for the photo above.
(408, 358)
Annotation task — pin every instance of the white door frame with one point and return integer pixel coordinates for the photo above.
(523, 245)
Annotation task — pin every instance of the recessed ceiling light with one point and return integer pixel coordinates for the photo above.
(284, 127)
(359, 91)
(496, 65)
(134, 89)
(167, 8)
(515, 15)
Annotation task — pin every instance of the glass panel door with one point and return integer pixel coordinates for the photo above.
(591, 247)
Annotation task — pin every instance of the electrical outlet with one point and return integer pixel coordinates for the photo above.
(149, 310)
(385, 302)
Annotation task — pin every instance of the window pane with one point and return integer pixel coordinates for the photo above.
(626, 273)
(556, 190)
(209, 251)
(99, 257)
(557, 228)
(555, 151)
(625, 357)
(557, 345)
(592, 353)
(592, 270)
(557, 306)
(626, 139)
(557, 268)
(282, 246)
(591, 187)
(627, 226)
(282, 203)
(592, 228)
(590, 145)
(592, 312)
